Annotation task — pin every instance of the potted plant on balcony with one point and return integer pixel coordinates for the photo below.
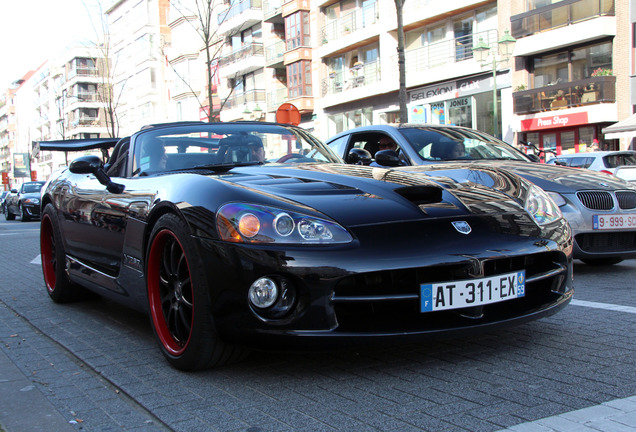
(602, 72)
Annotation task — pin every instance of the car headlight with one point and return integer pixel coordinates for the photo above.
(253, 223)
(32, 201)
(541, 207)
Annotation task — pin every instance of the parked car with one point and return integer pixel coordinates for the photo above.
(600, 209)
(24, 202)
(621, 164)
(3, 195)
(241, 235)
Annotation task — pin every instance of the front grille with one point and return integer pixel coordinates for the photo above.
(371, 302)
(596, 200)
(607, 242)
(626, 199)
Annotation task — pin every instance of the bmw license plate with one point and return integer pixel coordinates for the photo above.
(472, 292)
(602, 222)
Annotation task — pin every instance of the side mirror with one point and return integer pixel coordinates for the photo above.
(93, 165)
(358, 156)
(387, 158)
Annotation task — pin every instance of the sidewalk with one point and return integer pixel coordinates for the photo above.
(22, 406)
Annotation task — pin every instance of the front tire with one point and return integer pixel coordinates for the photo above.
(58, 284)
(179, 302)
(24, 217)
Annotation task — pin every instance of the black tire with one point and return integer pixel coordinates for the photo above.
(178, 300)
(24, 217)
(58, 285)
(8, 215)
(602, 261)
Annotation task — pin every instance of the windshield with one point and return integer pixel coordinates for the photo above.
(435, 144)
(226, 144)
(32, 187)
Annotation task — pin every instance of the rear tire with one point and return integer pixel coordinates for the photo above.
(178, 300)
(57, 282)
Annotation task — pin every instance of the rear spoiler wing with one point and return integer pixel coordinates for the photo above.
(74, 145)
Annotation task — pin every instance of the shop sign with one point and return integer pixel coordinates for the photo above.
(556, 121)
(442, 91)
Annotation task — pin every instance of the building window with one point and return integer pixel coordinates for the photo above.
(299, 79)
(297, 30)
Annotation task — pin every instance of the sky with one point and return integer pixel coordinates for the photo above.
(33, 31)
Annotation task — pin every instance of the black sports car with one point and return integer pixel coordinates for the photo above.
(24, 202)
(600, 208)
(254, 235)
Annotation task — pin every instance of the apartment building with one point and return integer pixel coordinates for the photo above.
(63, 100)
(138, 31)
(574, 60)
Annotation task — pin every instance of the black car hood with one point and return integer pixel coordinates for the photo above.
(30, 195)
(558, 178)
(367, 195)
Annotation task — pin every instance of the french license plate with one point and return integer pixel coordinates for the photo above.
(472, 292)
(601, 222)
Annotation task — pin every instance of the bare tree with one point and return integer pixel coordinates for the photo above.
(201, 14)
(399, 6)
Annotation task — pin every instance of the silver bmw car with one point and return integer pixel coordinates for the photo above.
(600, 208)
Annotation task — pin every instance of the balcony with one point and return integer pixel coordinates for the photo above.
(244, 60)
(356, 77)
(83, 72)
(589, 91)
(274, 54)
(276, 99)
(447, 51)
(87, 97)
(240, 16)
(272, 11)
(350, 23)
(559, 14)
(237, 100)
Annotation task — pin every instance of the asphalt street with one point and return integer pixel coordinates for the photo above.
(94, 366)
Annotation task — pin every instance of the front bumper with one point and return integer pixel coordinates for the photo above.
(369, 291)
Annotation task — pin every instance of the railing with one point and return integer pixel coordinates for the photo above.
(275, 52)
(575, 93)
(87, 97)
(86, 71)
(276, 98)
(447, 51)
(559, 14)
(349, 23)
(355, 77)
(255, 48)
(238, 9)
(271, 8)
(236, 100)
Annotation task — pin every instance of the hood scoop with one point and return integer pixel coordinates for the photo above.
(421, 195)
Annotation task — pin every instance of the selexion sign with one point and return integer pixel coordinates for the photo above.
(555, 121)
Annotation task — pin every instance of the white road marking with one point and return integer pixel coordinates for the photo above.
(606, 306)
(37, 260)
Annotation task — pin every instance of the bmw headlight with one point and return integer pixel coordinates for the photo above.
(541, 207)
(253, 223)
(32, 201)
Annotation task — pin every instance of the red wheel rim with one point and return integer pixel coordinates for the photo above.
(170, 293)
(47, 253)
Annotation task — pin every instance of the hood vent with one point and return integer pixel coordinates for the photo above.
(419, 195)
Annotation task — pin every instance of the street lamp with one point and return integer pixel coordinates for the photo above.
(482, 51)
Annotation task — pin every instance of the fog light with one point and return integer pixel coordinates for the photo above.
(263, 293)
